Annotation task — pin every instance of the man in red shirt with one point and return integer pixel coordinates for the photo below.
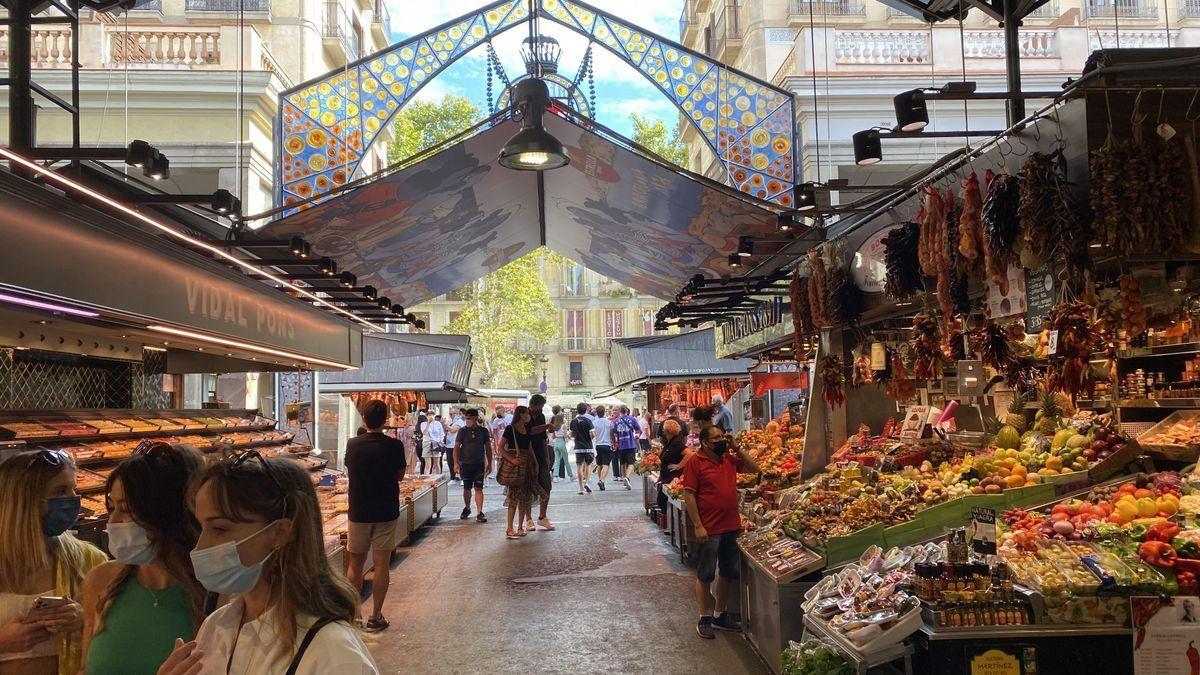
(711, 497)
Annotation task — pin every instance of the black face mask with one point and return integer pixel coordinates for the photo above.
(721, 447)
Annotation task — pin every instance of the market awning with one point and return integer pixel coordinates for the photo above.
(671, 358)
(407, 362)
(438, 225)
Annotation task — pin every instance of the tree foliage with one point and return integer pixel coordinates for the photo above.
(504, 308)
(423, 124)
(652, 134)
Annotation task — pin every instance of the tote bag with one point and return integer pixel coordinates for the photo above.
(512, 473)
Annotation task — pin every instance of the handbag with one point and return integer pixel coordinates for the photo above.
(511, 473)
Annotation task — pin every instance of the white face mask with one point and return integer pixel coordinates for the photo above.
(220, 570)
(129, 543)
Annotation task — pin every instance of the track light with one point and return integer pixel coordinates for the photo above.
(419, 324)
(867, 148)
(735, 261)
(698, 281)
(788, 222)
(806, 197)
(348, 280)
(328, 267)
(745, 246)
(385, 303)
(159, 167)
(372, 294)
(410, 317)
(912, 113)
(398, 309)
(224, 203)
(139, 153)
(533, 148)
(298, 247)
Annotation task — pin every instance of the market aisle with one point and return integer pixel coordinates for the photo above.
(603, 593)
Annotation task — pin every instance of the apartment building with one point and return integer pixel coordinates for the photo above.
(846, 59)
(200, 80)
(593, 310)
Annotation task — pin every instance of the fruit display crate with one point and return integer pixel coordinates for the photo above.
(1171, 451)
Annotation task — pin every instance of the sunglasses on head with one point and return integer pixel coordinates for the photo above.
(49, 458)
(237, 460)
(151, 449)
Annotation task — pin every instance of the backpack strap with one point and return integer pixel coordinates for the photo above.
(308, 638)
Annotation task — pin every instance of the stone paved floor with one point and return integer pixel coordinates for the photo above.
(603, 593)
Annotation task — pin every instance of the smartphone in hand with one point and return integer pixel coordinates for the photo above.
(45, 603)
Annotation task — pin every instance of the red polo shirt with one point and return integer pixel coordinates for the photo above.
(714, 485)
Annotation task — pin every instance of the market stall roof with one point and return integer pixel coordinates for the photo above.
(671, 358)
(437, 225)
(407, 362)
(941, 10)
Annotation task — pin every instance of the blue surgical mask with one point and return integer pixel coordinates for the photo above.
(129, 543)
(61, 514)
(220, 570)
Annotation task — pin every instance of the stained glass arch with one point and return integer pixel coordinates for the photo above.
(325, 126)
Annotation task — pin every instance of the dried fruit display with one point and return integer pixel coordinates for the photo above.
(833, 380)
(992, 345)
(926, 344)
(903, 278)
(846, 299)
(901, 387)
(1133, 312)
(1069, 369)
(818, 289)
(1140, 193)
(862, 375)
(1001, 227)
(933, 222)
(970, 239)
(1037, 212)
(946, 258)
(801, 318)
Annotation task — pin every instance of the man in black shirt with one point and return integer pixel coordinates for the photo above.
(581, 431)
(473, 460)
(539, 439)
(375, 465)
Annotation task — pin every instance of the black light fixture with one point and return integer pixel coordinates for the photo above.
(385, 303)
(159, 167)
(410, 317)
(912, 113)
(298, 247)
(224, 203)
(533, 148)
(806, 197)
(348, 280)
(328, 267)
(371, 293)
(745, 246)
(419, 324)
(867, 147)
(139, 153)
(788, 222)
(735, 261)
(398, 309)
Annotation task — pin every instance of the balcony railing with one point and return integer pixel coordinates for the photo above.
(687, 18)
(228, 6)
(382, 14)
(584, 344)
(871, 47)
(819, 8)
(989, 44)
(51, 47)
(149, 6)
(337, 25)
(1189, 9)
(1049, 10)
(184, 47)
(725, 28)
(1124, 10)
(1131, 39)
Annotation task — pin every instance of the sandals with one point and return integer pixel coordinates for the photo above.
(547, 526)
(521, 532)
(510, 534)
(376, 625)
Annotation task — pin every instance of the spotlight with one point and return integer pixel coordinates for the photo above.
(385, 303)
(912, 113)
(348, 280)
(398, 309)
(159, 167)
(745, 247)
(787, 222)
(698, 281)
(806, 197)
(410, 317)
(419, 324)
(533, 148)
(735, 261)
(371, 293)
(867, 147)
(224, 203)
(139, 153)
(328, 267)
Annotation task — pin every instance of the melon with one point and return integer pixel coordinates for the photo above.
(1008, 438)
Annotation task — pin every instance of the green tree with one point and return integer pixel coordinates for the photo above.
(501, 310)
(652, 134)
(423, 124)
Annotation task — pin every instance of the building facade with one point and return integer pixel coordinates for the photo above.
(846, 59)
(200, 80)
(592, 311)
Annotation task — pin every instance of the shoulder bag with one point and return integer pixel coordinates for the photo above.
(512, 473)
(308, 638)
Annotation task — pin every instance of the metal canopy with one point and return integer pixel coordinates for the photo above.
(438, 225)
(402, 362)
(671, 358)
(942, 10)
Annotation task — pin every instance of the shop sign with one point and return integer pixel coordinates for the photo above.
(1012, 303)
(1039, 296)
(747, 323)
(1166, 635)
(993, 659)
(983, 530)
(746, 334)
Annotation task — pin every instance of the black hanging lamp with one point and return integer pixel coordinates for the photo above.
(533, 148)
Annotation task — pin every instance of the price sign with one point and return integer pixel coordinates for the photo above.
(1039, 296)
(983, 530)
(1052, 343)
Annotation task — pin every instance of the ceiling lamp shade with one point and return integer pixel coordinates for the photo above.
(533, 148)
(867, 147)
(745, 246)
(912, 113)
(735, 261)
(806, 197)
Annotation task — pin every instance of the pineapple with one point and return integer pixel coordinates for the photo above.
(1046, 420)
(1016, 414)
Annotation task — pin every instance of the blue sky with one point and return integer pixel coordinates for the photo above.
(620, 90)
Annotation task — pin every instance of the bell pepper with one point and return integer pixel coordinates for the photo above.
(1164, 532)
(1186, 548)
(1157, 553)
(1137, 532)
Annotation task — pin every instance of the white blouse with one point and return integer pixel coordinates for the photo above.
(336, 648)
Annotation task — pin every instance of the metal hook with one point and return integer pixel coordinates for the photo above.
(1024, 148)
(1187, 115)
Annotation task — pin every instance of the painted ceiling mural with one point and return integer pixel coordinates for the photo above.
(448, 220)
(327, 124)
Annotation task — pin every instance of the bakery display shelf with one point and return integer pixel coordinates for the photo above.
(1167, 403)
(148, 431)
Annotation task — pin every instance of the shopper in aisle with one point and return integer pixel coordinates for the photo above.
(375, 465)
(671, 458)
(646, 420)
(519, 474)
(672, 414)
(722, 416)
(602, 433)
(500, 421)
(562, 456)
(453, 426)
(149, 595)
(626, 431)
(435, 437)
(581, 432)
(412, 449)
(540, 439)
(419, 442)
(40, 558)
(473, 459)
(261, 541)
(711, 498)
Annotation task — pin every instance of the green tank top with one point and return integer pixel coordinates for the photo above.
(138, 636)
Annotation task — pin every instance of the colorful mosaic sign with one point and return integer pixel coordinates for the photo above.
(326, 125)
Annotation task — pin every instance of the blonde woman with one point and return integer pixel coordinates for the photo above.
(41, 565)
(261, 542)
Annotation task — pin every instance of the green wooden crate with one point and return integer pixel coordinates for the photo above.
(1029, 496)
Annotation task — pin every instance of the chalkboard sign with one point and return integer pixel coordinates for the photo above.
(1039, 296)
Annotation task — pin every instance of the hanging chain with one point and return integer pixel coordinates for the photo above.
(591, 72)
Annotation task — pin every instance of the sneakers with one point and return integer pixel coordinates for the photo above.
(588, 488)
(481, 518)
(627, 485)
(466, 513)
(726, 623)
(602, 486)
(704, 628)
(376, 625)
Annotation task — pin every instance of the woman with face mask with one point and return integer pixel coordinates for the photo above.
(148, 596)
(261, 542)
(41, 565)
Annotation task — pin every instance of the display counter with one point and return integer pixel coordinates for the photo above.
(773, 582)
(1037, 649)
(900, 654)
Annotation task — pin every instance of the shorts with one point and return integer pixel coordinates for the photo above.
(582, 458)
(364, 537)
(472, 476)
(628, 457)
(604, 455)
(719, 550)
